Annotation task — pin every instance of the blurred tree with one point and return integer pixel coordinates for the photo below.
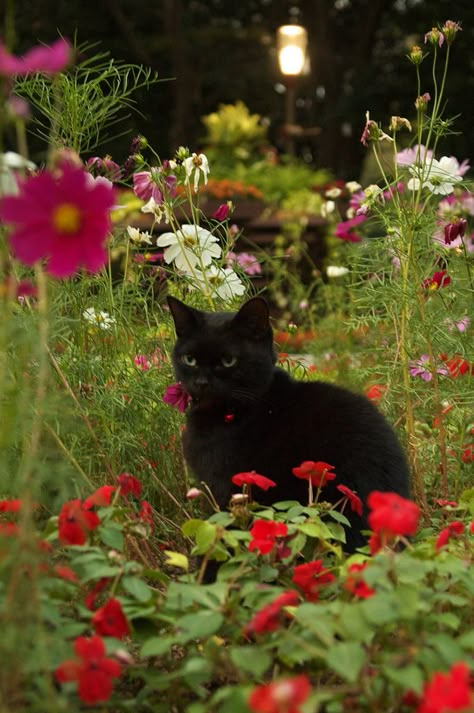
(219, 51)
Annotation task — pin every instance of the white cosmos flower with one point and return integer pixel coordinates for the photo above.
(137, 236)
(159, 210)
(9, 163)
(102, 320)
(190, 246)
(336, 271)
(223, 282)
(327, 208)
(197, 164)
(439, 177)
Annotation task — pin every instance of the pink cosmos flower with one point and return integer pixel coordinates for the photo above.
(246, 261)
(421, 367)
(43, 59)
(177, 396)
(222, 212)
(63, 218)
(145, 187)
(416, 154)
(344, 230)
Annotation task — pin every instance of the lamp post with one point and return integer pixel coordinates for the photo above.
(292, 41)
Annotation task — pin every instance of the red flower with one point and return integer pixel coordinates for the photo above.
(455, 229)
(454, 529)
(91, 669)
(74, 523)
(355, 583)
(456, 365)
(177, 396)
(467, 455)
(447, 692)
(110, 620)
(354, 501)
(68, 215)
(392, 515)
(264, 534)
(10, 505)
(438, 280)
(283, 696)
(269, 617)
(101, 497)
(9, 529)
(222, 212)
(376, 392)
(146, 514)
(375, 543)
(317, 472)
(309, 577)
(253, 478)
(129, 484)
(444, 503)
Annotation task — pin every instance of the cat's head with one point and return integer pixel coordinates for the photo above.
(223, 357)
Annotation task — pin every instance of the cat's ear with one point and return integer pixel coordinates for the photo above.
(254, 317)
(185, 318)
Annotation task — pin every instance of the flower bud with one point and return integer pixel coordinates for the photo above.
(455, 229)
(398, 122)
(450, 29)
(416, 55)
(421, 102)
(193, 493)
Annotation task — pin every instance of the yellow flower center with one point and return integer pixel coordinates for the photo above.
(67, 218)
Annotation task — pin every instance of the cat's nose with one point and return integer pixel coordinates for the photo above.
(201, 380)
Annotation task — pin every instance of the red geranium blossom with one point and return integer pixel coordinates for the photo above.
(146, 513)
(467, 456)
(310, 576)
(10, 505)
(376, 392)
(354, 501)
(65, 572)
(62, 217)
(264, 534)
(110, 620)
(454, 529)
(447, 692)
(91, 669)
(177, 396)
(283, 696)
(269, 617)
(317, 472)
(74, 523)
(355, 583)
(101, 497)
(438, 280)
(457, 365)
(391, 514)
(42, 59)
(129, 484)
(253, 478)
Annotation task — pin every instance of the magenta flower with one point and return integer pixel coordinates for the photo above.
(439, 279)
(177, 396)
(455, 229)
(222, 212)
(345, 231)
(104, 167)
(43, 59)
(145, 187)
(63, 218)
(421, 367)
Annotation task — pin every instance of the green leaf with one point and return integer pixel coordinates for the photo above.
(157, 646)
(339, 517)
(205, 537)
(286, 505)
(198, 625)
(250, 659)
(467, 640)
(380, 609)
(346, 659)
(137, 588)
(317, 530)
(409, 677)
(190, 527)
(177, 559)
(112, 536)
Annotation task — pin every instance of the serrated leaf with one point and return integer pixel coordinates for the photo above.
(410, 677)
(177, 559)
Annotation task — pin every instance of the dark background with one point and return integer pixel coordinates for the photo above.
(219, 51)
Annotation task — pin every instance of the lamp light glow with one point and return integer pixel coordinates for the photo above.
(292, 41)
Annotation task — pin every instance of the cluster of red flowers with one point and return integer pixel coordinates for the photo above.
(454, 529)
(265, 534)
(449, 691)
(91, 669)
(77, 519)
(310, 576)
(316, 472)
(355, 583)
(269, 617)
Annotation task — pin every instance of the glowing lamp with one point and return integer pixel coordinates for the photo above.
(292, 41)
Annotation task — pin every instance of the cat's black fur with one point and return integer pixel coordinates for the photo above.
(251, 415)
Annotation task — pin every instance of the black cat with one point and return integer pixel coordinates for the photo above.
(246, 414)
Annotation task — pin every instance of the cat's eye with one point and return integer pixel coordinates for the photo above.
(189, 360)
(229, 361)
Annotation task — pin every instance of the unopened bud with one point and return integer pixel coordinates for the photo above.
(450, 30)
(421, 102)
(416, 55)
